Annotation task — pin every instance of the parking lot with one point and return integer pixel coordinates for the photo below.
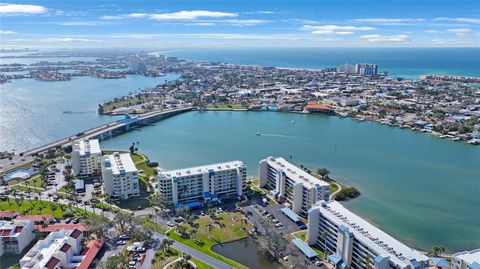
(273, 214)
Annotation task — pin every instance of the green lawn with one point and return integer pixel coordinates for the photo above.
(153, 226)
(36, 207)
(201, 265)
(227, 107)
(229, 227)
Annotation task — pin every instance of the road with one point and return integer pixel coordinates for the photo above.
(27, 156)
(339, 188)
(150, 254)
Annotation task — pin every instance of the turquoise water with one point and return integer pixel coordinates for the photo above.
(405, 62)
(31, 111)
(421, 189)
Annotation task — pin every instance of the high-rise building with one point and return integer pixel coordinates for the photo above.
(286, 181)
(347, 68)
(120, 176)
(466, 260)
(15, 235)
(354, 242)
(86, 157)
(137, 66)
(366, 69)
(202, 184)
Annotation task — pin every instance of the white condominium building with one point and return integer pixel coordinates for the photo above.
(120, 176)
(286, 181)
(350, 240)
(15, 235)
(86, 157)
(59, 250)
(466, 260)
(203, 183)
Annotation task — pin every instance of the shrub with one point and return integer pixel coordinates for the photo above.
(152, 164)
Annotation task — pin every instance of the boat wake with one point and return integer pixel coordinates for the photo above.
(277, 135)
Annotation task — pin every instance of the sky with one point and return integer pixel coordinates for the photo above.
(239, 23)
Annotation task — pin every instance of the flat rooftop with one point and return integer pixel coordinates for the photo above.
(382, 243)
(470, 256)
(121, 163)
(45, 249)
(295, 173)
(91, 146)
(217, 167)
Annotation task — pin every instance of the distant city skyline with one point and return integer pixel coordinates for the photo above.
(153, 24)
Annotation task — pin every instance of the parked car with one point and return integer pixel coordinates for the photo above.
(302, 226)
(121, 242)
(124, 237)
(68, 220)
(75, 221)
(169, 224)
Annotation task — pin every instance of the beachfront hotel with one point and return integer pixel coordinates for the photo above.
(15, 235)
(466, 260)
(62, 249)
(86, 156)
(349, 240)
(286, 181)
(120, 176)
(196, 185)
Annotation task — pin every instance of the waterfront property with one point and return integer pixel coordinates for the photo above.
(62, 249)
(86, 155)
(209, 183)
(15, 235)
(286, 181)
(356, 243)
(466, 260)
(120, 176)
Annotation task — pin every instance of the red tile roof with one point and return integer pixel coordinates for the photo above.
(52, 263)
(6, 232)
(90, 252)
(65, 248)
(58, 227)
(8, 214)
(75, 233)
(320, 107)
(37, 218)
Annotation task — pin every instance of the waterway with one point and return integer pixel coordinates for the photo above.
(247, 252)
(31, 111)
(421, 189)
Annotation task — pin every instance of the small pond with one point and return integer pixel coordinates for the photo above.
(247, 252)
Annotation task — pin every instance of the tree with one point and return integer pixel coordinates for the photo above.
(98, 225)
(438, 250)
(323, 172)
(123, 220)
(117, 261)
(183, 211)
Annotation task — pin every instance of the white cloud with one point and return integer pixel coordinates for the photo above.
(459, 20)
(244, 22)
(460, 31)
(200, 24)
(81, 23)
(332, 27)
(137, 15)
(385, 38)
(67, 40)
(109, 17)
(4, 32)
(390, 20)
(191, 15)
(433, 31)
(6, 8)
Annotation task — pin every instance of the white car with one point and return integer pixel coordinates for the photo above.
(121, 242)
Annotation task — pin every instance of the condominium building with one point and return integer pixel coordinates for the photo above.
(354, 242)
(120, 176)
(286, 181)
(203, 183)
(62, 249)
(466, 260)
(86, 157)
(366, 69)
(15, 235)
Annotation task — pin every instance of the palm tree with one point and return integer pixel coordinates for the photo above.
(209, 229)
(367, 261)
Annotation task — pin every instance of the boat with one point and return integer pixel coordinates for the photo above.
(258, 133)
(293, 122)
